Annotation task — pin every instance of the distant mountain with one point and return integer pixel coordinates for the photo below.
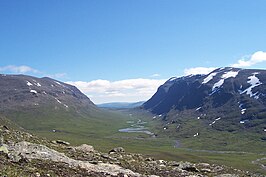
(43, 103)
(120, 105)
(226, 99)
(21, 91)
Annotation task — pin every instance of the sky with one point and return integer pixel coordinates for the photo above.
(122, 50)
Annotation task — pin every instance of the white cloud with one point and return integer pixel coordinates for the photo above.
(18, 69)
(57, 75)
(129, 90)
(155, 75)
(199, 70)
(255, 58)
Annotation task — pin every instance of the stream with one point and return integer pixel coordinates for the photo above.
(137, 127)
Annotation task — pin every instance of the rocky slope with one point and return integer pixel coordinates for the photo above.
(23, 154)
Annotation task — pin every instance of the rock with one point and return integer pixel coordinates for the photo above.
(85, 148)
(105, 156)
(206, 170)
(1, 140)
(149, 159)
(173, 163)
(14, 157)
(204, 165)
(5, 127)
(61, 142)
(37, 174)
(117, 150)
(36, 151)
(227, 175)
(188, 167)
(3, 149)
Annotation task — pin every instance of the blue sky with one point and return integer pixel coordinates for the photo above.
(107, 43)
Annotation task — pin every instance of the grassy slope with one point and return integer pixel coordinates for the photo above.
(101, 130)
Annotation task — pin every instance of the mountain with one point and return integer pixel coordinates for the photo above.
(21, 91)
(44, 104)
(120, 105)
(240, 90)
(225, 100)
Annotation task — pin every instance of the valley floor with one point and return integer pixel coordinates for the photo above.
(157, 142)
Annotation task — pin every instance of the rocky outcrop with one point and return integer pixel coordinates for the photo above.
(31, 151)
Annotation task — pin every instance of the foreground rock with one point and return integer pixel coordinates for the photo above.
(31, 151)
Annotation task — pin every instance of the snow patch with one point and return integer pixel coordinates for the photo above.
(58, 101)
(243, 111)
(38, 84)
(172, 79)
(208, 78)
(29, 84)
(197, 134)
(198, 108)
(218, 118)
(66, 105)
(58, 83)
(243, 121)
(33, 91)
(230, 74)
(218, 84)
(215, 121)
(254, 82)
(223, 77)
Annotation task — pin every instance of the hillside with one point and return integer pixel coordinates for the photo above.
(220, 107)
(52, 108)
(20, 91)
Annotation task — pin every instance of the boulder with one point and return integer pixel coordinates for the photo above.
(84, 148)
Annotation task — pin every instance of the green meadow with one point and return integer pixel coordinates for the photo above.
(237, 150)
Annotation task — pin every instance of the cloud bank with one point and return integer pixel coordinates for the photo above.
(129, 90)
(18, 69)
(198, 70)
(23, 69)
(255, 58)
